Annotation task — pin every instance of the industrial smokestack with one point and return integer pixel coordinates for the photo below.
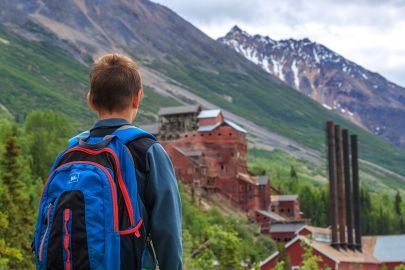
(348, 189)
(340, 187)
(333, 216)
(356, 192)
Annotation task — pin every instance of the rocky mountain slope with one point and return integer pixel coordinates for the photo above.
(364, 97)
(179, 63)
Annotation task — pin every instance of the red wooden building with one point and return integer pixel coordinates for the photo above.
(214, 157)
(377, 251)
(286, 205)
(285, 231)
(210, 152)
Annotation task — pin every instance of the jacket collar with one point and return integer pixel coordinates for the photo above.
(110, 122)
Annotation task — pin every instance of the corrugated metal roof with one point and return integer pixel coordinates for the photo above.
(179, 110)
(262, 179)
(235, 126)
(209, 113)
(191, 155)
(282, 198)
(208, 127)
(286, 227)
(227, 122)
(272, 215)
(390, 248)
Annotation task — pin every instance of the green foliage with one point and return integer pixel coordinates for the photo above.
(400, 267)
(379, 210)
(293, 173)
(47, 134)
(283, 260)
(383, 267)
(211, 241)
(398, 203)
(309, 260)
(26, 157)
(280, 266)
(16, 210)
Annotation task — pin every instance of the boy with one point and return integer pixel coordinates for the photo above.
(115, 94)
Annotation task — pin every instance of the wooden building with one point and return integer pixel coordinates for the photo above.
(378, 251)
(175, 120)
(213, 156)
(210, 152)
(286, 205)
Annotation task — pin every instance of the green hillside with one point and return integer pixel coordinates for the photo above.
(37, 75)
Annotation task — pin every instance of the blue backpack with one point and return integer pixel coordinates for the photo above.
(89, 212)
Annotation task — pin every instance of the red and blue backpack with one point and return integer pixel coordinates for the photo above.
(89, 210)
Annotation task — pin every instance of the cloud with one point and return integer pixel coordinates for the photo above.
(368, 32)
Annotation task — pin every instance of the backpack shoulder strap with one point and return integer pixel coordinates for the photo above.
(74, 140)
(128, 133)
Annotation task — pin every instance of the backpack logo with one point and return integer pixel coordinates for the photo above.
(74, 178)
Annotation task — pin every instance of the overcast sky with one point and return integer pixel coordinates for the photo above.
(368, 32)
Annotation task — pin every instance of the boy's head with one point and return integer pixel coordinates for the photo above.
(115, 86)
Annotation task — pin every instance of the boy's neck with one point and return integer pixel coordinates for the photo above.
(115, 115)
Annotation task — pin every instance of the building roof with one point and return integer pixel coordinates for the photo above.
(375, 249)
(180, 110)
(341, 255)
(283, 198)
(286, 227)
(271, 215)
(262, 179)
(207, 128)
(390, 248)
(255, 180)
(191, 155)
(153, 128)
(334, 254)
(317, 230)
(209, 113)
(235, 126)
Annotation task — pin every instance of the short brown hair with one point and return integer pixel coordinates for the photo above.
(114, 81)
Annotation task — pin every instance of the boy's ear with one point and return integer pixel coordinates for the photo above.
(137, 98)
(91, 105)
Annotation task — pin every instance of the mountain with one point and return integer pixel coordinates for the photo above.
(51, 45)
(364, 97)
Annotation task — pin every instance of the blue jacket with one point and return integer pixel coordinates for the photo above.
(161, 205)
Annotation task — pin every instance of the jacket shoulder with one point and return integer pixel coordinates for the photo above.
(139, 148)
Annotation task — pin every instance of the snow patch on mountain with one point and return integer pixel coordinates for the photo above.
(295, 71)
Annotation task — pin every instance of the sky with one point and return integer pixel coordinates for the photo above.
(368, 32)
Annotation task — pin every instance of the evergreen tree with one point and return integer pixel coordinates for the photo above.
(398, 203)
(15, 203)
(293, 173)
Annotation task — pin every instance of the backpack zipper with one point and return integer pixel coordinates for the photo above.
(48, 216)
(66, 238)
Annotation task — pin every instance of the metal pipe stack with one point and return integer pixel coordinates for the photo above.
(344, 196)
